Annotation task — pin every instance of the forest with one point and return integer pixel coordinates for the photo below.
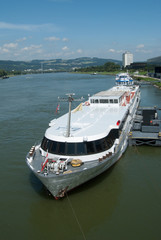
(107, 67)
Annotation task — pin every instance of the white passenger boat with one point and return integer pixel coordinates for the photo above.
(85, 142)
(124, 79)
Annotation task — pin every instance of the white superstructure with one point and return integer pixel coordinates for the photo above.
(124, 79)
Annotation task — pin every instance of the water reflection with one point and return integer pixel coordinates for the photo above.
(93, 203)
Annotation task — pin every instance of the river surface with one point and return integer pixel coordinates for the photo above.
(124, 203)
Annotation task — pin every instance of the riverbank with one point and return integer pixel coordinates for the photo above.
(142, 78)
(97, 73)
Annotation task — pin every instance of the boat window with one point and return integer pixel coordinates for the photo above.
(81, 149)
(104, 144)
(109, 142)
(90, 147)
(115, 101)
(71, 149)
(98, 145)
(111, 100)
(92, 100)
(96, 101)
(62, 148)
(53, 147)
(103, 100)
(45, 144)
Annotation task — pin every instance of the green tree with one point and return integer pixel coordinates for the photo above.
(2, 73)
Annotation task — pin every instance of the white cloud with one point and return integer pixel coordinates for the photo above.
(79, 50)
(65, 39)
(10, 45)
(28, 27)
(143, 50)
(112, 50)
(4, 50)
(52, 39)
(115, 51)
(21, 39)
(120, 51)
(13, 51)
(140, 46)
(65, 48)
(32, 47)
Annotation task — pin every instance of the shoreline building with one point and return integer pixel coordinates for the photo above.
(127, 59)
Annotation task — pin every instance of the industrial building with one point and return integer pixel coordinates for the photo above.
(157, 72)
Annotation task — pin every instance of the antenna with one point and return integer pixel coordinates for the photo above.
(69, 99)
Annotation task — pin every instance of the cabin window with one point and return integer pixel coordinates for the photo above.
(90, 147)
(96, 101)
(53, 147)
(104, 144)
(111, 100)
(103, 100)
(98, 144)
(81, 148)
(45, 144)
(115, 101)
(62, 148)
(71, 149)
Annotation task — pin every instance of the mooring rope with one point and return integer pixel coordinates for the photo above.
(74, 213)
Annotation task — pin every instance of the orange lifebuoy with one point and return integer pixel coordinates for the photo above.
(87, 103)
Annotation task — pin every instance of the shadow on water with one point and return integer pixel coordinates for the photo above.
(89, 206)
(38, 187)
(92, 183)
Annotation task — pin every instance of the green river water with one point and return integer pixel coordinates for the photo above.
(124, 203)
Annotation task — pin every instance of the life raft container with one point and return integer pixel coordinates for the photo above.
(76, 163)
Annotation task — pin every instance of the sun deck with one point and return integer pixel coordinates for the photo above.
(91, 121)
(94, 119)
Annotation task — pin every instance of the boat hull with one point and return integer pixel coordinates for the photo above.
(58, 185)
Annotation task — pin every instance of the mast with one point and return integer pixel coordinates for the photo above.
(70, 99)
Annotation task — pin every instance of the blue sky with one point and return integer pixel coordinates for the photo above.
(50, 29)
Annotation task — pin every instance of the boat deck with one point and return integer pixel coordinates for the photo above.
(38, 160)
(95, 118)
